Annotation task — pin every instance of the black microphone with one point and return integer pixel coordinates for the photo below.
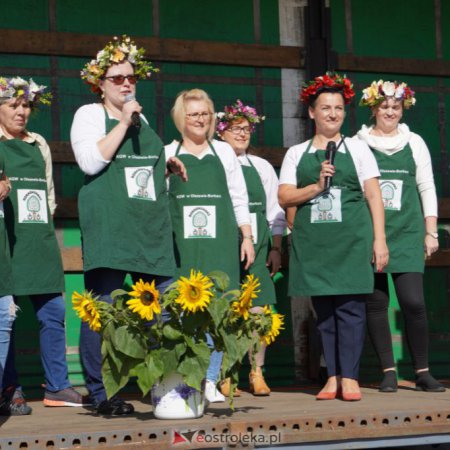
(330, 154)
(135, 118)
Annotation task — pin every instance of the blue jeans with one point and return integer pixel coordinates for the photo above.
(215, 362)
(102, 282)
(50, 311)
(7, 316)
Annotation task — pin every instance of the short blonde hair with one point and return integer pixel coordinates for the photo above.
(179, 109)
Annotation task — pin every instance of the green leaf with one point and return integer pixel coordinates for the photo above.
(203, 353)
(148, 372)
(192, 371)
(218, 309)
(169, 360)
(118, 293)
(172, 333)
(220, 279)
(114, 380)
(130, 343)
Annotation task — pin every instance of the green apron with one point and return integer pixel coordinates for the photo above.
(405, 229)
(204, 224)
(332, 239)
(6, 286)
(261, 234)
(35, 255)
(124, 214)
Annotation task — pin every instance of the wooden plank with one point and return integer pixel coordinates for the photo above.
(407, 66)
(50, 43)
(440, 259)
(67, 208)
(274, 155)
(291, 415)
(444, 208)
(72, 260)
(62, 153)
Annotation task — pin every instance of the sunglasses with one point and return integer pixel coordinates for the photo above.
(120, 79)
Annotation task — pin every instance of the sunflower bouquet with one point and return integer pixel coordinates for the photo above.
(150, 336)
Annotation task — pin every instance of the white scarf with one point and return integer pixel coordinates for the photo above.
(386, 144)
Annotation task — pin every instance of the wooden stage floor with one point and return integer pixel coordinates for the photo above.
(287, 417)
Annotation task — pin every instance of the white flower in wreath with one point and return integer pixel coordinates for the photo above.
(389, 88)
(17, 82)
(220, 115)
(399, 92)
(132, 55)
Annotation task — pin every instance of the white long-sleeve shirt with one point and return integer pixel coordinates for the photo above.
(233, 172)
(364, 160)
(47, 156)
(274, 213)
(390, 145)
(88, 127)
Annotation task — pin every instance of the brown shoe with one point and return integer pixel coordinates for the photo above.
(225, 387)
(258, 385)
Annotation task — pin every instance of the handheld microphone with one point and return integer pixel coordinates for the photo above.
(330, 154)
(135, 119)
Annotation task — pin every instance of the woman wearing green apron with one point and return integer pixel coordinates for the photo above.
(7, 306)
(336, 235)
(207, 210)
(123, 205)
(235, 125)
(410, 204)
(36, 263)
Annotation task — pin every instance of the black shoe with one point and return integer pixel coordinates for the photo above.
(13, 403)
(389, 383)
(426, 382)
(114, 407)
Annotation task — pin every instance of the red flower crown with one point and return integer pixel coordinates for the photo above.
(329, 80)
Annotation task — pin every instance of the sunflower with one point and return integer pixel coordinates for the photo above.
(145, 299)
(249, 291)
(194, 293)
(277, 325)
(86, 308)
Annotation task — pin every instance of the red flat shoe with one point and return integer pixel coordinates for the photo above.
(328, 395)
(351, 396)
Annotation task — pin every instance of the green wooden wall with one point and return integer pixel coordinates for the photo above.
(231, 21)
(406, 29)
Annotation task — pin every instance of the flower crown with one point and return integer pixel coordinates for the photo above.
(236, 112)
(30, 91)
(379, 90)
(329, 80)
(115, 52)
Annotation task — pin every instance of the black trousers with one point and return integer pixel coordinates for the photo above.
(409, 290)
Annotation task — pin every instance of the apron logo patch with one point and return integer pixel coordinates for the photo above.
(140, 183)
(391, 191)
(327, 208)
(199, 222)
(32, 206)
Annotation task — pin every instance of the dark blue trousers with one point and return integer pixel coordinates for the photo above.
(102, 282)
(50, 311)
(341, 320)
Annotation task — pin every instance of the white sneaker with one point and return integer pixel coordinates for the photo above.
(212, 394)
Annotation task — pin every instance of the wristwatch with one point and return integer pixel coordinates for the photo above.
(433, 234)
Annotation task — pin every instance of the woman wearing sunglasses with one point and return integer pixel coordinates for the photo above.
(208, 209)
(123, 205)
(235, 126)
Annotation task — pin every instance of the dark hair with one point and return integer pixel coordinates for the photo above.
(325, 90)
